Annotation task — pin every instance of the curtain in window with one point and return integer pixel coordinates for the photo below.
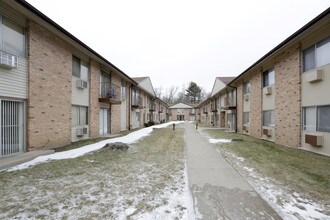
(13, 38)
(323, 52)
(246, 117)
(75, 66)
(75, 116)
(323, 118)
(310, 119)
(309, 58)
(84, 71)
(83, 116)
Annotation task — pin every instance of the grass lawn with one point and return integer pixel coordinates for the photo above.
(100, 185)
(301, 171)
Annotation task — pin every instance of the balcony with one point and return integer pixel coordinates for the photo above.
(229, 104)
(109, 93)
(152, 107)
(137, 102)
(192, 112)
(168, 112)
(161, 110)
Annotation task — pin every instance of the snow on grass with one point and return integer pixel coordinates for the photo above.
(149, 181)
(289, 205)
(216, 141)
(128, 139)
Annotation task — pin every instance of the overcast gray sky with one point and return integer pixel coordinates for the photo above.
(178, 41)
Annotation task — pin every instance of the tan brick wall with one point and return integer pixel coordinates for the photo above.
(94, 104)
(288, 97)
(49, 93)
(239, 108)
(256, 104)
(115, 109)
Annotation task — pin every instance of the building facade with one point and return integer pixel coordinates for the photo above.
(183, 112)
(54, 89)
(282, 97)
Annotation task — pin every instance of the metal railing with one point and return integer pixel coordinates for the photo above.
(137, 101)
(109, 90)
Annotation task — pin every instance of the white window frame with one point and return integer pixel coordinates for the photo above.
(24, 49)
(313, 123)
(315, 50)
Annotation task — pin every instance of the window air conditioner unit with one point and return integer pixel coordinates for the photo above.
(268, 90)
(246, 97)
(314, 139)
(314, 76)
(81, 84)
(267, 132)
(246, 128)
(81, 132)
(8, 61)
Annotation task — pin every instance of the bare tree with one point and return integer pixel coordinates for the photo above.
(159, 92)
(170, 95)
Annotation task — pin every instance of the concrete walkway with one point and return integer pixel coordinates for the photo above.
(6, 162)
(218, 190)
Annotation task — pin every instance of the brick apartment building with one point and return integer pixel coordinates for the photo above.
(183, 112)
(284, 96)
(54, 89)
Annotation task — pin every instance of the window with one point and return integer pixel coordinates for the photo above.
(269, 77)
(12, 37)
(316, 118)
(79, 68)
(317, 55)
(232, 97)
(79, 115)
(246, 88)
(246, 117)
(269, 118)
(123, 91)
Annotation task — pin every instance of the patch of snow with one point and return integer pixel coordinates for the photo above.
(179, 205)
(128, 139)
(215, 141)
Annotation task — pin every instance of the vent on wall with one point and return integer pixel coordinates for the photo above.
(314, 76)
(81, 84)
(314, 140)
(246, 97)
(8, 61)
(81, 132)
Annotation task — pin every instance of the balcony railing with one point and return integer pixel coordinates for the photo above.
(109, 93)
(161, 110)
(214, 108)
(137, 102)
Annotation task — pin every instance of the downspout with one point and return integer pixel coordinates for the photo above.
(236, 106)
(129, 106)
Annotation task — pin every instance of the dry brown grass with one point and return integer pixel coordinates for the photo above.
(98, 185)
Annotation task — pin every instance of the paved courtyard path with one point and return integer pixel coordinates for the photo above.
(218, 190)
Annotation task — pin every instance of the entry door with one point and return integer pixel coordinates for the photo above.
(104, 121)
(12, 119)
(223, 119)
